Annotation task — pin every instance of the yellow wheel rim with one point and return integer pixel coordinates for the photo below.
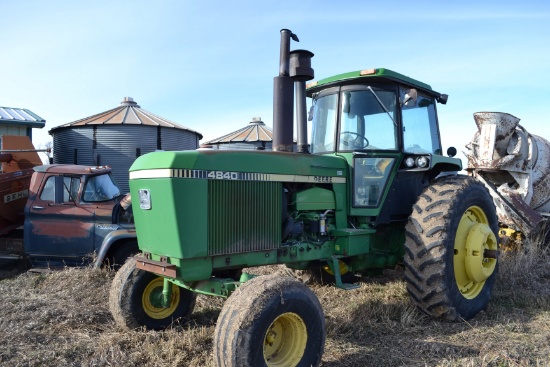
(472, 266)
(341, 265)
(285, 341)
(152, 299)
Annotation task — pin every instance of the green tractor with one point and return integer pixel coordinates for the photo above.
(370, 191)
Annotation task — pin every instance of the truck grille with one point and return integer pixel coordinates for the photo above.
(243, 216)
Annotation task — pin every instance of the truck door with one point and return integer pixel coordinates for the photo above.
(57, 228)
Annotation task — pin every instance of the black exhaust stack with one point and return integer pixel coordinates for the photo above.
(293, 66)
(301, 72)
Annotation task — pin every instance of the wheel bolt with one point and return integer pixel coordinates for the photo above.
(490, 254)
(270, 338)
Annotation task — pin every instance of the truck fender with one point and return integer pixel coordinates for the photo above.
(109, 240)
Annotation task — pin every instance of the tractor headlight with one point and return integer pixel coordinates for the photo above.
(409, 162)
(422, 162)
(145, 199)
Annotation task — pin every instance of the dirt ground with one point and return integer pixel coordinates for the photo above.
(62, 319)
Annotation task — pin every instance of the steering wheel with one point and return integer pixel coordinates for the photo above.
(92, 196)
(346, 143)
(95, 195)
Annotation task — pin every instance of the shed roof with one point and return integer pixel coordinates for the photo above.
(20, 116)
(128, 113)
(255, 131)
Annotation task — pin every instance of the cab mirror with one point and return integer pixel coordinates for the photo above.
(347, 102)
(451, 151)
(410, 98)
(310, 114)
(442, 98)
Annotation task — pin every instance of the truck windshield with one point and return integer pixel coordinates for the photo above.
(100, 188)
(367, 120)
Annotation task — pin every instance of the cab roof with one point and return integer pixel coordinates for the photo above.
(72, 169)
(380, 73)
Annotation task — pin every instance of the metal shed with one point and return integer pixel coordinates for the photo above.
(117, 137)
(19, 121)
(255, 136)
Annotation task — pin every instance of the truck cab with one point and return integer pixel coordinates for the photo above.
(73, 211)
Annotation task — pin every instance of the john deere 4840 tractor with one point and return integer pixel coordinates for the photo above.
(371, 190)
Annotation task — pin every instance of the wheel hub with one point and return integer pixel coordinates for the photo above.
(481, 239)
(152, 300)
(475, 252)
(285, 341)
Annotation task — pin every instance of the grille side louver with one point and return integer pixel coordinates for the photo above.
(244, 216)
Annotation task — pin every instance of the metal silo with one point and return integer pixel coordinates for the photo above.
(117, 137)
(255, 136)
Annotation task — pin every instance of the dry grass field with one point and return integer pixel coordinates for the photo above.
(62, 319)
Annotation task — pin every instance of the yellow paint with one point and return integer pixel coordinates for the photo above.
(154, 289)
(285, 341)
(341, 265)
(510, 239)
(473, 237)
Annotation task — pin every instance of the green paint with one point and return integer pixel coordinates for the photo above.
(166, 294)
(215, 210)
(335, 268)
(380, 73)
(243, 161)
(170, 228)
(315, 198)
(351, 241)
(211, 287)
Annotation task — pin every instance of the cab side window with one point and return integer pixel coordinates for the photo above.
(65, 191)
(48, 192)
(70, 188)
(420, 133)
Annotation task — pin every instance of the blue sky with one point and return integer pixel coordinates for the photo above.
(209, 65)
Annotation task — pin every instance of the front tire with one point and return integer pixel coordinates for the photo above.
(134, 300)
(270, 321)
(451, 249)
(122, 253)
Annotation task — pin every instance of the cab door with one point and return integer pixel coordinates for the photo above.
(57, 228)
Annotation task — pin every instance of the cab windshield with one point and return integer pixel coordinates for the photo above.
(367, 120)
(100, 188)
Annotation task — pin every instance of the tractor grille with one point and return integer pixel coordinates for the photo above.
(243, 216)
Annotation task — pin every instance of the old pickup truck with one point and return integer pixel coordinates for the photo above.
(72, 215)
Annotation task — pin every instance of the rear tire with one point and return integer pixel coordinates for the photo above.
(451, 239)
(270, 321)
(134, 300)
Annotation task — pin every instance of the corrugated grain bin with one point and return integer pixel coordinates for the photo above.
(254, 136)
(117, 137)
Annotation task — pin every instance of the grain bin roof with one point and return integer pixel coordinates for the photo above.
(20, 116)
(255, 131)
(128, 113)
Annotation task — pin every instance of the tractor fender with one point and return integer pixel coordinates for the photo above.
(110, 239)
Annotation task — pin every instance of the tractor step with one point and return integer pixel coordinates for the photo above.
(338, 277)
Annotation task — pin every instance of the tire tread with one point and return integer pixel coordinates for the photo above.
(428, 240)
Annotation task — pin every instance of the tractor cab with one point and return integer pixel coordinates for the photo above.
(385, 125)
